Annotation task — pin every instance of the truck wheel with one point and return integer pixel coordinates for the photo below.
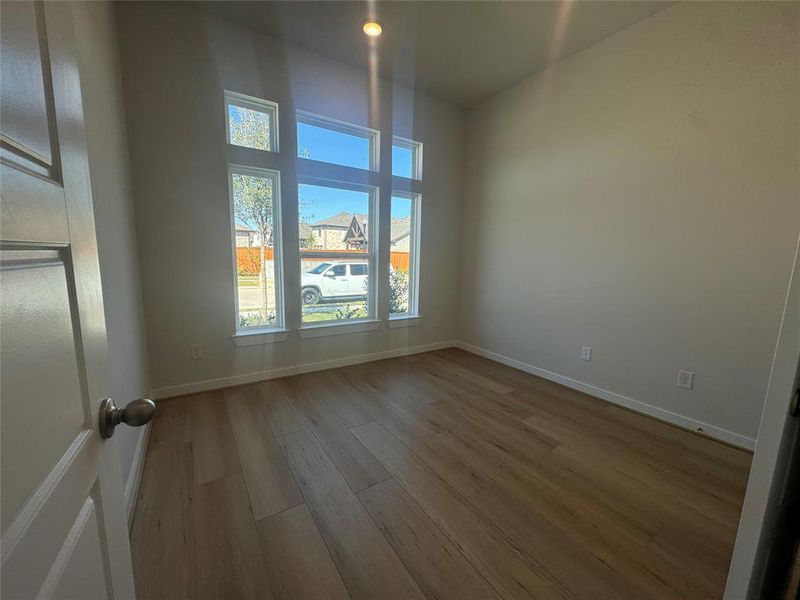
(310, 295)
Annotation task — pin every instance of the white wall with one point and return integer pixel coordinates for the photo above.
(177, 62)
(643, 198)
(113, 206)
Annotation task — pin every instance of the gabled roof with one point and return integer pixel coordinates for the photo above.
(341, 220)
(401, 226)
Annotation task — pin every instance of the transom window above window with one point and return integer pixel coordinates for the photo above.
(336, 142)
(251, 122)
(406, 158)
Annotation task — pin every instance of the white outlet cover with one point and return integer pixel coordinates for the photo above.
(586, 353)
(686, 379)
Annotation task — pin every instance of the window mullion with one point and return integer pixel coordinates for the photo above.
(384, 218)
(290, 220)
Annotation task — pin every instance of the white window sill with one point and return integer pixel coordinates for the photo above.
(262, 336)
(313, 331)
(403, 321)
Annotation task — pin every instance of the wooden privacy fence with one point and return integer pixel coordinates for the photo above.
(399, 260)
(248, 260)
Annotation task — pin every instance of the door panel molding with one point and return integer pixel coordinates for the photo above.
(62, 560)
(36, 84)
(30, 510)
(41, 527)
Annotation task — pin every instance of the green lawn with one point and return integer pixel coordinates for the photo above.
(328, 313)
(248, 280)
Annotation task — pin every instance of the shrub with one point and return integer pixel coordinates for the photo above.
(256, 318)
(398, 291)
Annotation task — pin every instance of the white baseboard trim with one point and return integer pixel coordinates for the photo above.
(730, 437)
(223, 382)
(135, 474)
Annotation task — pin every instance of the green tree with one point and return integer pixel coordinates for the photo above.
(250, 128)
(252, 206)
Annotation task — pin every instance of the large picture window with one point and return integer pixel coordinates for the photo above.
(336, 251)
(255, 214)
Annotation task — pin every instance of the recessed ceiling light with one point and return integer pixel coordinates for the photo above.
(372, 28)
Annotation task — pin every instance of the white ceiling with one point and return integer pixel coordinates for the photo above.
(458, 51)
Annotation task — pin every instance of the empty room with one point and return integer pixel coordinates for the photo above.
(400, 300)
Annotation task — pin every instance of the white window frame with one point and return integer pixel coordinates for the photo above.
(416, 155)
(258, 105)
(332, 327)
(415, 224)
(372, 135)
(277, 257)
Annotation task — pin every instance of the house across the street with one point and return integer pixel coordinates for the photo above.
(246, 237)
(348, 231)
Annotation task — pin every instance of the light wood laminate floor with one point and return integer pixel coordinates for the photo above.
(439, 475)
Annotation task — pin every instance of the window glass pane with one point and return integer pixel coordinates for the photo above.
(250, 125)
(334, 144)
(406, 159)
(333, 236)
(401, 255)
(402, 161)
(253, 198)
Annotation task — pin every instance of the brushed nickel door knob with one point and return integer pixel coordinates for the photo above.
(135, 414)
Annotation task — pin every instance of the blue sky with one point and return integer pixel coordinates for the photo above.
(332, 146)
(318, 202)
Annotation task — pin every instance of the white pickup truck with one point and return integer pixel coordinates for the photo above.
(335, 281)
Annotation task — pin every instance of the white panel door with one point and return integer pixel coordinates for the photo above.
(62, 514)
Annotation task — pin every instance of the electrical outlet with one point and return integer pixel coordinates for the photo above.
(437, 321)
(586, 353)
(686, 379)
(196, 351)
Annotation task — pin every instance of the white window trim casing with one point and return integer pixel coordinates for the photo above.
(336, 327)
(247, 336)
(412, 315)
(403, 320)
(373, 135)
(259, 337)
(258, 105)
